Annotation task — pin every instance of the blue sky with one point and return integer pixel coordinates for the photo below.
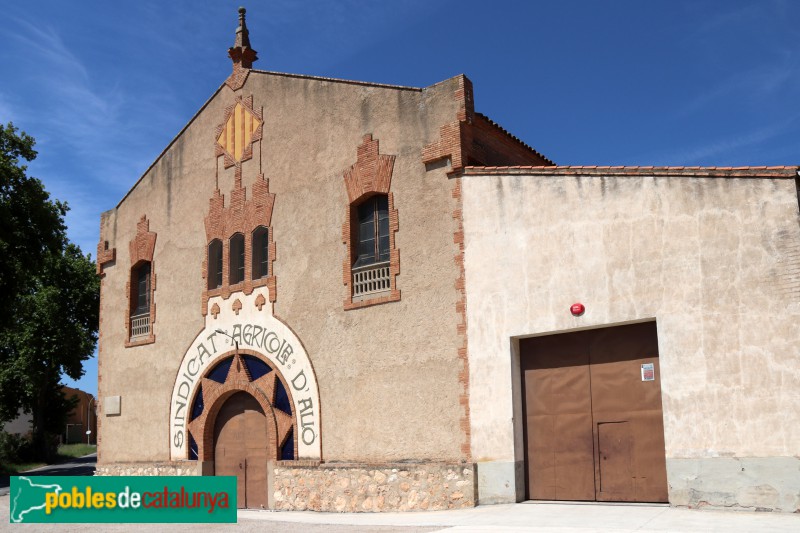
(104, 86)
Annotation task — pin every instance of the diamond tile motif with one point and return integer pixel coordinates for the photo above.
(240, 129)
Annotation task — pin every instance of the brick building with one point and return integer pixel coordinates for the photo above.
(359, 297)
(81, 419)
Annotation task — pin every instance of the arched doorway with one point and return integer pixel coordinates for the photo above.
(240, 448)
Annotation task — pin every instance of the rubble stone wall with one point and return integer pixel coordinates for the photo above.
(373, 488)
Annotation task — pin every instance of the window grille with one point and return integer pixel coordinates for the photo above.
(140, 325)
(371, 279)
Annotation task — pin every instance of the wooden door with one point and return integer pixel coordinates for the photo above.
(240, 448)
(593, 423)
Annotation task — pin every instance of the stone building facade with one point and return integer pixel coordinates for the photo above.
(328, 288)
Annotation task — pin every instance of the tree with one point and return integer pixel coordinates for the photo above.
(50, 316)
(31, 225)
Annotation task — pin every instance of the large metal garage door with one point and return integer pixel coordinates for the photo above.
(593, 420)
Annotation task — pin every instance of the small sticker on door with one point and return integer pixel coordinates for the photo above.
(648, 372)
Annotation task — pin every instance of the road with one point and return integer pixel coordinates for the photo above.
(83, 466)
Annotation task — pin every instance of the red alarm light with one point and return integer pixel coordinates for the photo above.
(577, 309)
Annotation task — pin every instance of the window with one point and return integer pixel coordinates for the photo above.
(236, 259)
(140, 313)
(215, 264)
(372, 261)
(260, 253)
(373, 231)
(140, 301)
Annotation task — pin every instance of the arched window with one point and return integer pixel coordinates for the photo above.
(236, 259)
(215, 264)
(260, 253)
(373, 231)
(140, 300)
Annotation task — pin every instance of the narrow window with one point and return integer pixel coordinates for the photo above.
(236, 263)
(140, 300)
(373, 231)
(260, 253)
(215, 264)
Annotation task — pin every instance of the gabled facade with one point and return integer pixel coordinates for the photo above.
(328, 288)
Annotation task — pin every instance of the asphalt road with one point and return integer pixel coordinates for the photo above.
(83, 466)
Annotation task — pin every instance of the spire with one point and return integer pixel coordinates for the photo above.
(241, 53)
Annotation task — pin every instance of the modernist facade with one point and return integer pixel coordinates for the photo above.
(359, 297)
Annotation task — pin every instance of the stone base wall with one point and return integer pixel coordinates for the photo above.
(742, 483)
(169, 468)
(339, 487)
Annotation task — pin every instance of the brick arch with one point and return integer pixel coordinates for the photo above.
(238, 379)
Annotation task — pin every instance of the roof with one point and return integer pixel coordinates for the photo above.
(701, 172)
(513, 137)
(337, 80)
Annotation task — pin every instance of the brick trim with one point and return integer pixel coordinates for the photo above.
(142, 247)
(238, 77)
(239, 380)
(461, 328)
(474, 138)
(247, 153)
(450, 143)
(241, 216)
(371, 174)
(105, 255)
(788, 172)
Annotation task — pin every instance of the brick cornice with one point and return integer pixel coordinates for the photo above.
(787, 172)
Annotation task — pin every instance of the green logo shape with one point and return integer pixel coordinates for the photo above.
(122, 499)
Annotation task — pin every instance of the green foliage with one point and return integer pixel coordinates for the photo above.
(71, 451)
(15, 448)
(31, 225)
(49, 320)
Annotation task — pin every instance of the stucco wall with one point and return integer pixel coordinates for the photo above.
(713, 260)
(387, 374)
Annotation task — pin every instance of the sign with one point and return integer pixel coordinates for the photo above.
(648, 372)
(258, 332)
(122, 499)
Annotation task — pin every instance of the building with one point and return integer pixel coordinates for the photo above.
(362, 297)
(81, 419)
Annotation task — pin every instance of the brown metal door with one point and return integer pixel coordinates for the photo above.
(594, 428)
(558, 434)
(626, 407)
(240, 448)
